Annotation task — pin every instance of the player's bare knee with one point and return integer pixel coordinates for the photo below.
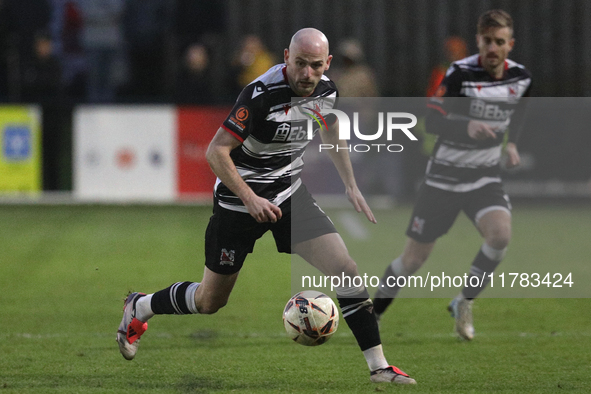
(343, 266)
(350, 267)
(415, 254)
(499, 242)
(499, 238)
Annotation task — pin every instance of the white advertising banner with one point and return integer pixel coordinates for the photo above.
(125, 153)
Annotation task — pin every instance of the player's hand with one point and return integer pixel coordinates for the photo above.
(513, 158)
(480, 131)
(356, 198)
(262, 210)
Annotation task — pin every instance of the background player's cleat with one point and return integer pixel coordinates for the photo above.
(461, 309)
(391, 375)
(131, 329)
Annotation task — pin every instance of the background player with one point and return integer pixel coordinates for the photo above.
(463, 173)
(258, 162)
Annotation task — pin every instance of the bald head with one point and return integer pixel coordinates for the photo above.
(309, 40)
(306, 59)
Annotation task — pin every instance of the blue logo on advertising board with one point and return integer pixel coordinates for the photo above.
(17, 142)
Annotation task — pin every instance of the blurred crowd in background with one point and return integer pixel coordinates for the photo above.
(120, 51)
(62, 53)
(204, 52)
(110, 50)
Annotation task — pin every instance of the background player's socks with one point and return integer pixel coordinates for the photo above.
(388, 289)
(358, 312)
(143, 308)
(178, 299)
(485, 263)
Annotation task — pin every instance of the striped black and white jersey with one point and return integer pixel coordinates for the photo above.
(468, 92)
(274, 135)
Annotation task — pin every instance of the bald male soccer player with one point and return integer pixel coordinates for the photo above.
(257, 190)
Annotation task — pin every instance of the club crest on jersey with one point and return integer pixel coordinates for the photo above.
(417, 225)
(286, 133)
(227, 257)
(513, 90)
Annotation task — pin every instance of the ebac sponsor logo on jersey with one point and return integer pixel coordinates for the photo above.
(480, 109)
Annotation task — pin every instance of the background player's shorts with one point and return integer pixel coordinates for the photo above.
(231, 235)
(436, 210)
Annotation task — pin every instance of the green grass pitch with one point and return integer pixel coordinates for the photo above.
(64, 271)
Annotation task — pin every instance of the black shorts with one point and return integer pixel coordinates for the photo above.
(436, 210)
(231, 235)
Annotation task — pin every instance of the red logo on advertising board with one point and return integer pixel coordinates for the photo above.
(196, 128)
(125, 158)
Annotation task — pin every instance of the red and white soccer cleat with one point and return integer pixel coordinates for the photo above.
(391, 374)
(131, 329)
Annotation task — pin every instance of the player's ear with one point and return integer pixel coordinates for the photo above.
(511, 44)
(328, 62)
(285, 55)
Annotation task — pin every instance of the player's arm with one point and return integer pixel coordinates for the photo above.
(437, 121)
(342, 161)
(517, 122)
(218, 157)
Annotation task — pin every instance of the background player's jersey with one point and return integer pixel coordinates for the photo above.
(273, 135)
(458, 162)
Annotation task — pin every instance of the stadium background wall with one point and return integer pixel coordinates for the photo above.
(555, 164)
(403, 39)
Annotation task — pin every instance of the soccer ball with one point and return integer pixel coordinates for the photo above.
(310, 318)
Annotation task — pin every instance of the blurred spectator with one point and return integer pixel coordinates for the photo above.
(252, 60)
(205, 22)
(194, 82)
(19, 21)
(352, 75)
(355, 78)
(455, 48)
(147, 26)
(102, 41)
(22, 19)
(42, 75)
(70, 27)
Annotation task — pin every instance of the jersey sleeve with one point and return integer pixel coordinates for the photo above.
(248, 107)
(437, 121)
(518, 118)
